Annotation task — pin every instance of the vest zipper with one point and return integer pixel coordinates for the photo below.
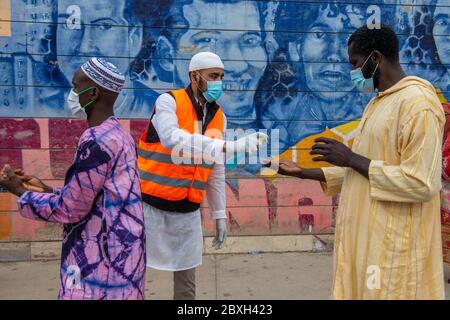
(196, 165)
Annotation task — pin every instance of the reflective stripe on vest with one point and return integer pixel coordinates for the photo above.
(172, 182)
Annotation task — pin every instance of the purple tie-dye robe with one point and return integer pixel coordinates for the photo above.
(103, 251)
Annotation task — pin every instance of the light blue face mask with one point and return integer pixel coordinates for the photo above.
(214, 90)
(358, 79)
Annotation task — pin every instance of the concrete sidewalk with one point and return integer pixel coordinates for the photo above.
(241, 276)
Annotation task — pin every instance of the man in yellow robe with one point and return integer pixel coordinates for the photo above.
(388, 233)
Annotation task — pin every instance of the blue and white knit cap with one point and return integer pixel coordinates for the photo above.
(104, 73)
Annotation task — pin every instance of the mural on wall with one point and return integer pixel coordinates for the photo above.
(286, 69)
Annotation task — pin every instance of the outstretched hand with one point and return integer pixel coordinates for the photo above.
(284, 167)
(32, 183)
(11, 181)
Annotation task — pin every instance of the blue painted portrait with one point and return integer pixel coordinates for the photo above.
(286, 61)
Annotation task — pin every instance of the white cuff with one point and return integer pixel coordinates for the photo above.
(221, 214)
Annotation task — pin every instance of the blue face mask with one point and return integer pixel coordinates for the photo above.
(358, 79)
(214, 90)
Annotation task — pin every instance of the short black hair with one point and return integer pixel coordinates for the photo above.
(383, 39)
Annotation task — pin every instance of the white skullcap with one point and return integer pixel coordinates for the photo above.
(104, 73)
(205, 60)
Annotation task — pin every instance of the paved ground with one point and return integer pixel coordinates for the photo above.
(261, 276)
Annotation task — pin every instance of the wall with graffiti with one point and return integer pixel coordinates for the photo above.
(286, 69)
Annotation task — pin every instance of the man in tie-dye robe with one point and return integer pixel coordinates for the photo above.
(103, 251)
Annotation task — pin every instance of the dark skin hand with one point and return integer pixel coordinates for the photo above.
(289, 168)
(331, 151)
(10, 181)
(31, 183)
(337, 153)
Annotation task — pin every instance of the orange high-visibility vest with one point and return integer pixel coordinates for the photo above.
(165, 183)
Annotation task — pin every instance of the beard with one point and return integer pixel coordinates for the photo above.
(202, 85)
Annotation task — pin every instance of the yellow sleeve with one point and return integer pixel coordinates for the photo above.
(418, 176)
(334, 177)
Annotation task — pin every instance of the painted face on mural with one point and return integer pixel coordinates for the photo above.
(323, 51)
(441, 32)
(95, 34)
(242, 51)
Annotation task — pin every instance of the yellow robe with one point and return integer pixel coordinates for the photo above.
(388, 232)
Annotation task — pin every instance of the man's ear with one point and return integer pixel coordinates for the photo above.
(163, 63)
(377, 57)
(193, 77)
(135, 36)
(95, 93)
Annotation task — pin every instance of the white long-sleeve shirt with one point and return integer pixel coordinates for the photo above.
(165, 121)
